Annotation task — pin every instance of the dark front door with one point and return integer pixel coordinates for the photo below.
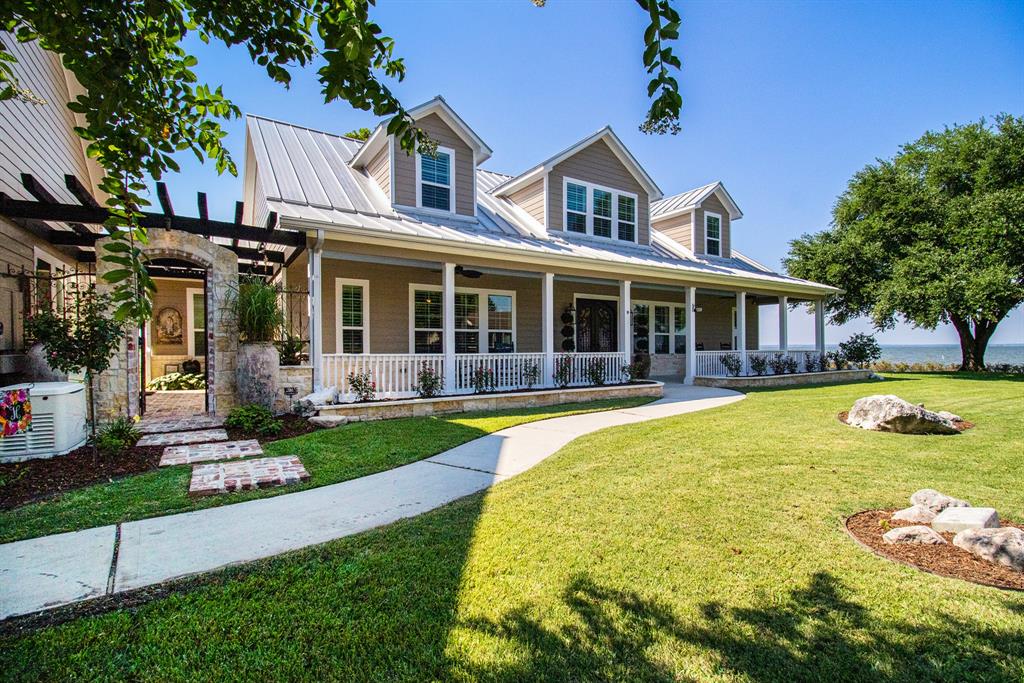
(595, 325)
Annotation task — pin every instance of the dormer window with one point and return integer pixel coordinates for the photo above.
(435, 187)
(712, 234)
(600, 211)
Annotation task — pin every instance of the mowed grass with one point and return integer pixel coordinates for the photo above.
(330, 456)
(707, 546)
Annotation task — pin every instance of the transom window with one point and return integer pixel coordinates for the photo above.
(600, 211)
(713, 234)
(476, 330)
(353, 316)
(434, 180)
(659, 327)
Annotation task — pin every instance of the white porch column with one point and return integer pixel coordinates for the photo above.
(784, 324)
(316, 318)
(691, 334)
(741, 330)
(819, 325)
(625, 315)
(448, 297)
(547, 327)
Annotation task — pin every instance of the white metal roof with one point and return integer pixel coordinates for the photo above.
(307, 180)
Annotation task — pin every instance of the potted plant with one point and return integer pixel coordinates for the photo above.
(257, 307)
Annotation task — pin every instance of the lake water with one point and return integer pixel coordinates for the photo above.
(947, 354)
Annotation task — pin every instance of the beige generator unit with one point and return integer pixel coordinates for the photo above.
(58, 422)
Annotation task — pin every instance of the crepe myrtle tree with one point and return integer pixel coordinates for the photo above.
(933, 235)
(143, 102)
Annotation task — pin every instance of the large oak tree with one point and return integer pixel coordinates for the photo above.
(933, 235)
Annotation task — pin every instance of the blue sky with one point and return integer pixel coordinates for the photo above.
(783, 102)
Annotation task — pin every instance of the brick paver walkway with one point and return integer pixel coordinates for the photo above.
(175, 403)
(208, 452)
(177, 438)
(149, 425)
(242, 475)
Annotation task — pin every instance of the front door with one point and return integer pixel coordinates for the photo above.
(595, 326)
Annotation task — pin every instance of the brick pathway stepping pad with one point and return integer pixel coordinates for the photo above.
(178, 424)
(208, 452)
(177, 438)
(241, 475)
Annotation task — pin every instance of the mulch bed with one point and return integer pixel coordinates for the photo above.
(962, 425)
(33, 480)
(944, 560)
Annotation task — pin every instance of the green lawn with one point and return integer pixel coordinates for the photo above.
(330, 456)
(702, 547)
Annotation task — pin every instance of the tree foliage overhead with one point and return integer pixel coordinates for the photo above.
(933, 235)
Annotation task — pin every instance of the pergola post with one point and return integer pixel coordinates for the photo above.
(741, 330)
(448, 329)
(691, 335)
(547, 307)
(784, 324)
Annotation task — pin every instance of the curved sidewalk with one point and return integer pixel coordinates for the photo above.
(50, 571)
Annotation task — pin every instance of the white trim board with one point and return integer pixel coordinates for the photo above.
(340, 282)
(483, 328)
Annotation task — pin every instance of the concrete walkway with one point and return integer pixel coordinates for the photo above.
(47, 572)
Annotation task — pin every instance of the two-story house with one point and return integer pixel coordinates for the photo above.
(414, 259)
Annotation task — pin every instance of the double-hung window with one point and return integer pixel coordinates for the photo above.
(679, 323)
(661, 329)
(499, 324)
(477, 329)
(435, 186)
(467, 322)
(353, 313)
(428, 318)
(600, 211)
(712, 234)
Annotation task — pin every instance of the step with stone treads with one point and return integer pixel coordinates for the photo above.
(242, 475)
(208, 452)
(180, 438)
(179, 424)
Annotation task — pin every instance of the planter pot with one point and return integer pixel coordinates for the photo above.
(256, 374)
(37, 368)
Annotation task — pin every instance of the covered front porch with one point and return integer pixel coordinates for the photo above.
(482, 325)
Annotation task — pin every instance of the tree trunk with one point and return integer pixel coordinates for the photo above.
(973, 343)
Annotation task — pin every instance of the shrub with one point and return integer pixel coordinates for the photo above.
(861, 349)
(838, 359)
(531, 375)
(563, 371)
(117, 438)
(362, 385)
(810, 362)
(482, 379)
(428, 382)
(790, 364)
(290, 349)
(254, 419)
(176, 381)
(822, 362)
(732, 364)
(777, 363)
(257, 306)
(759, 364)
(595, 371)
(639, 369)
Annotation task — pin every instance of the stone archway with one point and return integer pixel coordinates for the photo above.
(118, 393)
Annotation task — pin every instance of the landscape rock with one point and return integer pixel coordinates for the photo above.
(887, 413)
(307, 405)
(954, 519)
(1003, 546)
(935, 501)
(328, 421)
(922, 535)
(952, 417)
(919, 514)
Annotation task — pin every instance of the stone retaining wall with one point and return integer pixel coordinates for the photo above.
(420, 407)
(783, 380)
(297, 377)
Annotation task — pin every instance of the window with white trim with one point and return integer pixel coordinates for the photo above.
(599, 211)
(662, 319)
(467, 322)
(499, 324)
(353, 316)
(712, 234)
(679, 328)
(659, 327)
(197, 322)
(434, 179)
(428, 317)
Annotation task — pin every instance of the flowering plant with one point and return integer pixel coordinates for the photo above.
(362, 385)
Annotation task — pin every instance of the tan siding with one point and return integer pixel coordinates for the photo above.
(465, 177)
(714, 322)
(679, 228)
(531, 199)
(596, 164)
(713, 205)
(379, 169)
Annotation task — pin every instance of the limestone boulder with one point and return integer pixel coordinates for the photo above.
(1003, 546)
(952, 417)
(919, 535)
(888, 413)
(935, 501)
(309, 404)
(328, 421)
(918, 514)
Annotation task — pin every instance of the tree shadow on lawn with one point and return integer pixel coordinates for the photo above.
(812, 634)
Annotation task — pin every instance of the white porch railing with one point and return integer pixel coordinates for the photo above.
(395, 374)
(713, 363)
(508, 371)
(608, 364)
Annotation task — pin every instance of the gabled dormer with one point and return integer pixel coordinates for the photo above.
(445, 184)
(699, 219)
(594, 188)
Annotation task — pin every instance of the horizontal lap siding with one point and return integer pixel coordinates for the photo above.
(679, 228)
(380, 169)
(405, 167)
(531, 199)
(596, 164)
(714, 322)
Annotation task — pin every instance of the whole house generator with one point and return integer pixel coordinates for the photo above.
(58, 424)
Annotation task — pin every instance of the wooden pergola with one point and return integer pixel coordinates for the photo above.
(75, 229)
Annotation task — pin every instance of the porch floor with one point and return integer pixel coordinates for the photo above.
(175, 403)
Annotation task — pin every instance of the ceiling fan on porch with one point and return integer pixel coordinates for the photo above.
(467, 272)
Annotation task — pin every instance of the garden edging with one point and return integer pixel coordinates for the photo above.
(784, 380)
